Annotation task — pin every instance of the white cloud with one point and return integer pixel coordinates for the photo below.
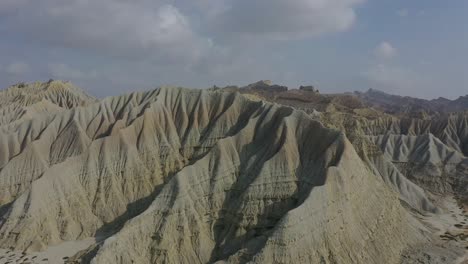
(159, 28)
(385, 50)
(403, 12)
(17, 68)
(64, 71)
(131, 29)
(281, 19)
(176, 40)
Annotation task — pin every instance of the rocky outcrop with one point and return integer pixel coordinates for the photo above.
(309, 88)
(266, 86)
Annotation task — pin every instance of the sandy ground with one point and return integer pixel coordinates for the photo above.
(453, 219)
(452, 225)
(53, 255)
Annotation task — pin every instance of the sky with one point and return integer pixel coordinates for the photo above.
(109, 47)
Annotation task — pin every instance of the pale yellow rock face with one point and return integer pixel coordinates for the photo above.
(195, 176)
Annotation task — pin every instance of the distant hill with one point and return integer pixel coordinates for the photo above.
(396, 104)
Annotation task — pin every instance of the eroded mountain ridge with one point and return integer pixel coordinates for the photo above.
(234, 175)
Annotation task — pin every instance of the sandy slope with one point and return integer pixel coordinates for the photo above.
(53, 255)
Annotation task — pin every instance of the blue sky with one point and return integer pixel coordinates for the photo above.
(417, 47)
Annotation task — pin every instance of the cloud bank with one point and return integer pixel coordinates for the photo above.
(174, 39)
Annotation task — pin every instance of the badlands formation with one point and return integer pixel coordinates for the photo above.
(258, 174)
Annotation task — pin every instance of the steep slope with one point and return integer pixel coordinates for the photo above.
(176, 175)
(346, 113)
(398, 116)
(451, 129)
(269, 222)
(431, 152)
(25, 101)
(424, 159)
(375, 158)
